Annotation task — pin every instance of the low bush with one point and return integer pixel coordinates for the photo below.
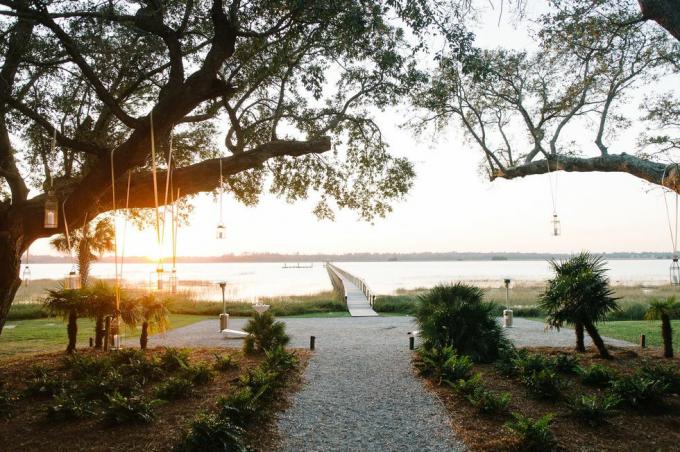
(639, 392)
(529, 363)
(27, 311)
(597, 375)
(42, 384)
(174, 388)
(173, 359)
(122, 409)
(566, 363)
(543, 385)
(242, 406)
(629, 311)
(469, 386)
(127, 356)
(593, 410)
(397, 304)
(456, 315)
(142, 370)
(443, 364)
(67, 407)
(212, 433)
(198, 374)
(667, 374)
(265, 333)
(6, 403)
(225, 362)
(101, 386)
(280, 360)
(84, 366)
(507, 359)
(489, 402)
(534, 434)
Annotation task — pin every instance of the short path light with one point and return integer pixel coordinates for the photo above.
(507, 312)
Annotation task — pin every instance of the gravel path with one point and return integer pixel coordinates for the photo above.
(360, 392)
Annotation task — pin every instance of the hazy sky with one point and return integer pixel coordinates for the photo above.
(451, 207)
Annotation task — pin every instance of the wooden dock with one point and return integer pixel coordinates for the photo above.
(355, 290)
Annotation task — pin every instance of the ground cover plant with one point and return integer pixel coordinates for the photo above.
(124, 398)
(633, 389)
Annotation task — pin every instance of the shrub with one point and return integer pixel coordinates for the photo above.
(639, 392)
(529, 363)
(142, 370)
(211, 432)
(443, 364)
(42, 384)
(506, 362)
(456, 316)
(224, 363)
(593, 410)
(543, 385)
(82, 366)
(99, 387)
(264, 333)
(488, 402)
(241, 406)
(127, 356)
(261, 380)
(667, 374)
(6, 403)
(597, 375)
(174, 359)
(174, 388)
(135, 409)
(198, 374)
(469, 386)
(280, 360)
(534, 434)
(67, 408)
(566, 363)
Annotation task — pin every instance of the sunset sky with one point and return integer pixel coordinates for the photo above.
(451, 208)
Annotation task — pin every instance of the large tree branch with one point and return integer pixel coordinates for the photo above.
(655, 172)
(664, 12)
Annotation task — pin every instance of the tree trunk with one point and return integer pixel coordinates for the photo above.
(597, 340)
(580, 343)
(72, 330)
(99, 331)
(84, 257)
(144, 338)
(664, 12)
(10, 267)
(667, 334)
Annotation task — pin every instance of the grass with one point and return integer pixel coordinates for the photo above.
(46, 335)
(630, 331)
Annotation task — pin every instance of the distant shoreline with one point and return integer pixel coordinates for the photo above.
(362, 257)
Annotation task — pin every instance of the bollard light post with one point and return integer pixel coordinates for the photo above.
(224, 317)
(507, 313)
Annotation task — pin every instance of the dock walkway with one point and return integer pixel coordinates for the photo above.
(356, 292)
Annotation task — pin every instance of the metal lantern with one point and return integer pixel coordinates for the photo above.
(173, 280)
(159, 278)
(72, 280)
(51, 211)
(26, 275)
(556, 226)
(221, 232)
(675, 271)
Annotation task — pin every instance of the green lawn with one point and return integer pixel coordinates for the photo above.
(630, 330)
(45, 335)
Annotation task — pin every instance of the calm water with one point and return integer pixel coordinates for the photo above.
(251, 280)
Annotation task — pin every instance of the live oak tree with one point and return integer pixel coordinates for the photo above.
(566, 105)
(288, 84)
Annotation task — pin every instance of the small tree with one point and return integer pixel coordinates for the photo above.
(101, 302)
(579, 295)
(264, 334)
(664, 311)
(154, 317)
(88, 243)
(69, 304)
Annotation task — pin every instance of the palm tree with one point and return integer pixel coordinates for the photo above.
(664, 311)
(154, 316)
(579, 295)
(101, 303)
(70, 304)
(89, 243)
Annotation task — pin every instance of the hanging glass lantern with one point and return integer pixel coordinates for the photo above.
(72, 280)
(221, 231)
(173, 280)
(51, 211)
(159, 278)
(675, 271)
(26, 275)
(556, 226)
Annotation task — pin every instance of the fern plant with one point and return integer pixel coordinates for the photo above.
(593, 410)
(535, 435)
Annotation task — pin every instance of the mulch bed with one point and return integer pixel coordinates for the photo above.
(29, 430)
(628, 431)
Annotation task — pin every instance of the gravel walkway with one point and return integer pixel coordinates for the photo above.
(360, 392)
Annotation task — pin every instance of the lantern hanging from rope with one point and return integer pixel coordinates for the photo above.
(72, 280)
(51, 220)
(674, 269)
(221, 231)
(26, 275)
(555, 222)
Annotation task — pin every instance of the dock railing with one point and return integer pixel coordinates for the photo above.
(334, 271)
